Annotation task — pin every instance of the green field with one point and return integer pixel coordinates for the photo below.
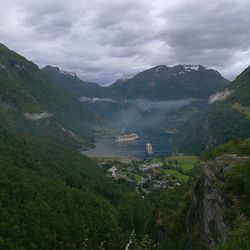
(137, 178)
(186, 162)
(156, 160)
(176, 174)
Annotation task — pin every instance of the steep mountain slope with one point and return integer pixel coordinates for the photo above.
(52, 197)
(30, 101)
(178, 82)
(228, 117)
(240, 88)
(219, 212)
(72, 83)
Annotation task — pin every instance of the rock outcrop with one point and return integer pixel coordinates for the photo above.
(206, 219)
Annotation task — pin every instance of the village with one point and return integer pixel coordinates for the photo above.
(149, 175)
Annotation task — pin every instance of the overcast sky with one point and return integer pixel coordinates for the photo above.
(103, 40)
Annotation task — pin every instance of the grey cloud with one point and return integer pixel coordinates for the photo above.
(219, 96)
(210, 33)
(165, 105)
(93, 69)
(37, 116)
(104, 40)
(112, 14)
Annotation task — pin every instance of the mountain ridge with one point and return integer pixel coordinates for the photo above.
(71, 82)
(163, 82)
(226, 118)
(32, 101)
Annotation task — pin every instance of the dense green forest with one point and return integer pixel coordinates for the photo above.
(53, 197)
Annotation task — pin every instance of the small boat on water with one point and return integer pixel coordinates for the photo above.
(125, 138)
(149, 149)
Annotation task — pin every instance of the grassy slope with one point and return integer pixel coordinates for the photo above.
(176, 174)
(186, 162)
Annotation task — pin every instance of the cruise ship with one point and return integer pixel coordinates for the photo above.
(125, 138)
(149, 149)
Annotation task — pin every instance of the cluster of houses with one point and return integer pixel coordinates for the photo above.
(149, 180)
(149, 166)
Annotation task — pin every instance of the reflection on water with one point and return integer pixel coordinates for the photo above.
(108, 147)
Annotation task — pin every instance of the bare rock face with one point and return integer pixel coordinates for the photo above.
(205, 219)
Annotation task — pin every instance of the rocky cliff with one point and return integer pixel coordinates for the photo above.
(206, 221)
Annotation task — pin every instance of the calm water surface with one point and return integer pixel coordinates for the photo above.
(108, 147)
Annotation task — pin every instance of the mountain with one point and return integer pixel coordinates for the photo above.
(228, 117)
(157, 84)
(51, 196)
(162, 82)
(31, 101)
(72, 83)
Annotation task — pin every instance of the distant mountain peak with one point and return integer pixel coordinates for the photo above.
(67, 73)
(163, 82)
(59, 70)
(119, 82)
(73, 83)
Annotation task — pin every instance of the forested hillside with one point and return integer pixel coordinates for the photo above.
(31, 102)
(53, 197)
(226, 118)
(170, 83)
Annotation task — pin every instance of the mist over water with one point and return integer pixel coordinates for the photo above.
(140, 114)
(145, 118)
(152, 105)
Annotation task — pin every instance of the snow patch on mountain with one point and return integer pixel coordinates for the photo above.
(61, 71)
(67, 72)
(191, 67)
(157, 69)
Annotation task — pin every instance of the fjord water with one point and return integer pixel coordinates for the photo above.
(106, 146)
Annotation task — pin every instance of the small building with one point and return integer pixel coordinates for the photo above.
(112, 172)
